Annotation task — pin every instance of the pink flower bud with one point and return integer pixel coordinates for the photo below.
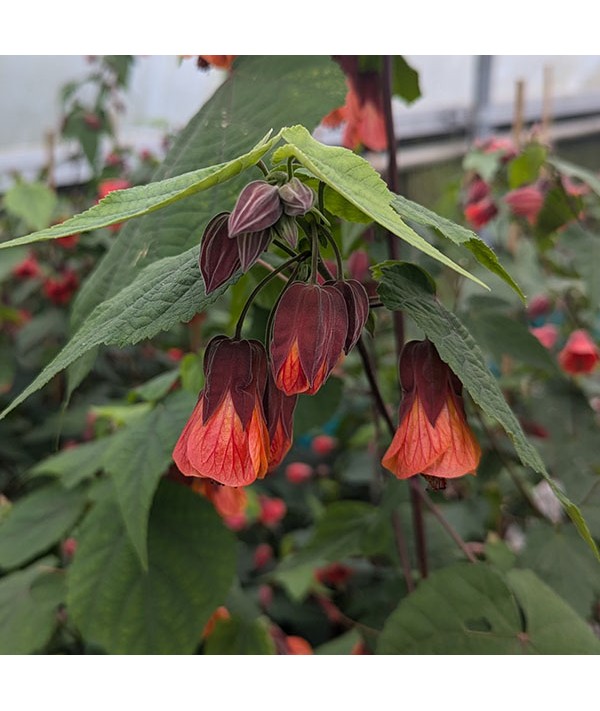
(298, 472)
(263, 555)
(323, 445)
(525, 202)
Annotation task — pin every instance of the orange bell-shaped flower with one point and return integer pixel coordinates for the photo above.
(226, 437)
(433, 437)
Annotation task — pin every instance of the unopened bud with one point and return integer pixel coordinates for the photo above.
(219, 259)
(258, 207)
(297, 198)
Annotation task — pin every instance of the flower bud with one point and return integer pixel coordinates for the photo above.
(287, 228)
(297, 198)
(258, 207)
(580, 354)
(250, 245)
(219, 258)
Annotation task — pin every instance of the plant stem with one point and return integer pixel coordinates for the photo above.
(314, 266)
(297, 258)
(263, 168)
(338, 255)
(398, 317)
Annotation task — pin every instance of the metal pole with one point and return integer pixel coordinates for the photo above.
(480, 122)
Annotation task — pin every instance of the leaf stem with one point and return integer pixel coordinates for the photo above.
(297, 258)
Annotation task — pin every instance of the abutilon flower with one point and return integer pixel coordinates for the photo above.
(580, 354)
(433, 437)
(547, 334)
(279, 410)
(310, 329)
(297, 198)
(481, 212)
(363, 110)
(226, 437)
(258, 206)
(227, 500)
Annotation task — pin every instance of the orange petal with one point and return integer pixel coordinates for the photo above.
(463, 452)
(416, 445)
(291, 378)
(221, 449)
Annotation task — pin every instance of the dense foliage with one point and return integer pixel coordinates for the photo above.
(114, 535)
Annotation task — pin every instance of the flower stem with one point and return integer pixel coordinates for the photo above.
(338, 255)
(296, 258)
(263, 168)
(314, 267)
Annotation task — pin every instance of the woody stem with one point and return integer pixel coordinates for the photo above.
(398, 317)
(240, 323)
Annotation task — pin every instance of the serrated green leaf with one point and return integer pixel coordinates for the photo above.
(473, 609)
(359, 183)
(74, 465)
(138, 456)
(163, 610)
(457, 348)
(165, 293)
(457, 234)
(34, 203)
(28, 604)
(38, 521)
(262, 93)
(122, 205)
(237, 635)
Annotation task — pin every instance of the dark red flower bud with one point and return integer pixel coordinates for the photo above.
(297, 198)
(219, 257)
(279, 411)
(477, 190)
(309, 332)
(251, 245)
(226, 437)
(480, 213)
(287, 228)
(357, 304)
(433, 436)
(258, 207)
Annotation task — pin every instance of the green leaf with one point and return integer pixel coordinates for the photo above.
(262, 93)
(473, 609)
(516, 341)
(399, 291)
(165, 293)
(34, 203)
(359, 183)
(525, 168)
(28, 604)
(121, 205)
(158, 387)
(138, 456)
(74, 465)
(192, 372)
(575, 171)
(163, 610)
(558, 209)
(406, 80)
(484, 164)
(457, 234)
(313, 411)
(10, 260)
(344, 644)
(38, 521)
(552, 627)
(555, 555)
(238, 635)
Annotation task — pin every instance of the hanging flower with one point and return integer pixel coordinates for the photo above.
(580, 354)
(226, 437)
(279, 409)
(433, 437)
(525, 202)
(310, 329)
